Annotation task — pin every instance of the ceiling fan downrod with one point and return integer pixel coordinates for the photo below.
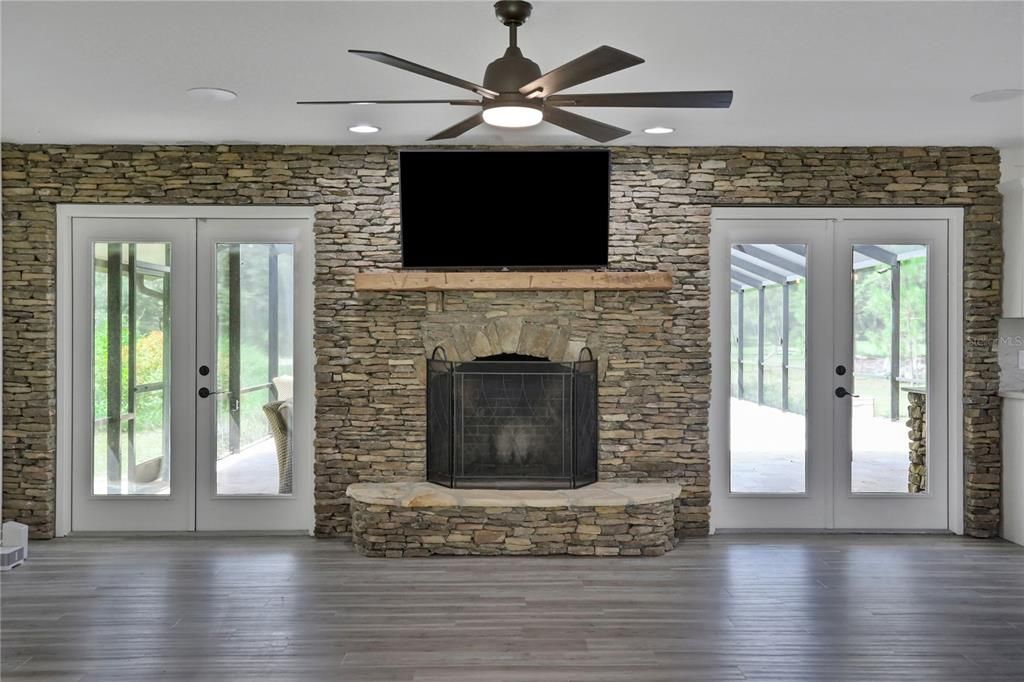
(512, 13)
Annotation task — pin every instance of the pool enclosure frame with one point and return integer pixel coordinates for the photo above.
(753, 268)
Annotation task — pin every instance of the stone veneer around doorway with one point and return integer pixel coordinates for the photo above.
(370, 414)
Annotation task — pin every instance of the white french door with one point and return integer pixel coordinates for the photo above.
(251, 392)
(831, 365)
(191, 372)
(132, 289)
(891, 461)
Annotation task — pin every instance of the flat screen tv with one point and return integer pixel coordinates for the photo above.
(504, 209)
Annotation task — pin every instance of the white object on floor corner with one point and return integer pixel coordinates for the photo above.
(13, 545)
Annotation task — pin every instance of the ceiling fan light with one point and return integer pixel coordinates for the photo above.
(364, 128)
(513, 116)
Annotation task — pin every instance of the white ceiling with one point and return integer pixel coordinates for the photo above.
(804, 73)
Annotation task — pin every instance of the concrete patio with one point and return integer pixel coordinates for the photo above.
(768, 448)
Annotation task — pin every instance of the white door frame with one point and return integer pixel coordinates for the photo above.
(720, 334)
(65, 214)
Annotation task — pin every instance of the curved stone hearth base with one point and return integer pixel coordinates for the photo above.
(423, 519)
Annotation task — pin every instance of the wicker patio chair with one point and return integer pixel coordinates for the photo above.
(283, 443)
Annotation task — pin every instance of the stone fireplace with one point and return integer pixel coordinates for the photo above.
(512, 421)
(518, 385)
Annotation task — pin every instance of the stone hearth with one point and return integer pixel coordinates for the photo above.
(424, 519)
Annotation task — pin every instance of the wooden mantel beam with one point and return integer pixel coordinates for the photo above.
(513, 281)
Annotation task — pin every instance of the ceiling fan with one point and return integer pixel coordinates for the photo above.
(516, 95)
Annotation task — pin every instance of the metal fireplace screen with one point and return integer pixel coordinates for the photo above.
(513, 423)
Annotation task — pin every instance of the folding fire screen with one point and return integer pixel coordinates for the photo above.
(512, 422)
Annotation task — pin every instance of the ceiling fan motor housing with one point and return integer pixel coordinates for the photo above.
(510, 72)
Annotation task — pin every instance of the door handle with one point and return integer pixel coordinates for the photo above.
(206, 393)
(843, 393)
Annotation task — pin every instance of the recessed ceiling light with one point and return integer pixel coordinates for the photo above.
(364, 128)
(659, 130)
(1004, 95)
(212, 94)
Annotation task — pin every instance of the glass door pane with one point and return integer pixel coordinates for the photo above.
(767, 415)
(131, 368)
(890, 369)
(254, 368)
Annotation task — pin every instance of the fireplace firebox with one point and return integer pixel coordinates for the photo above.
(512, 421)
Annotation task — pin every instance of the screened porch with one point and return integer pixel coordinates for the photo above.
(768, 365)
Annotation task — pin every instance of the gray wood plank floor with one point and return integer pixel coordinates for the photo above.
(770, 607)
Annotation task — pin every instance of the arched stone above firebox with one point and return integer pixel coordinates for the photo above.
(549, 338)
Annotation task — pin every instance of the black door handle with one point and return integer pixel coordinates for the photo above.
(843, 393)
(206, 393)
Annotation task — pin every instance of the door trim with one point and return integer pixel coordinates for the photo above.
(65, 213)
(718, 409)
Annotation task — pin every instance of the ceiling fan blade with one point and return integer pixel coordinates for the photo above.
(587, 127)
(460, 127)
(421, 70)
(594, 64)
(696, 99)
(454, 102)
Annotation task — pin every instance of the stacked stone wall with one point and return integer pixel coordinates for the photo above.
(917, 427)
(655, 347)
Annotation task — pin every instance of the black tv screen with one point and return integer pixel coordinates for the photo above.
(504, 209)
